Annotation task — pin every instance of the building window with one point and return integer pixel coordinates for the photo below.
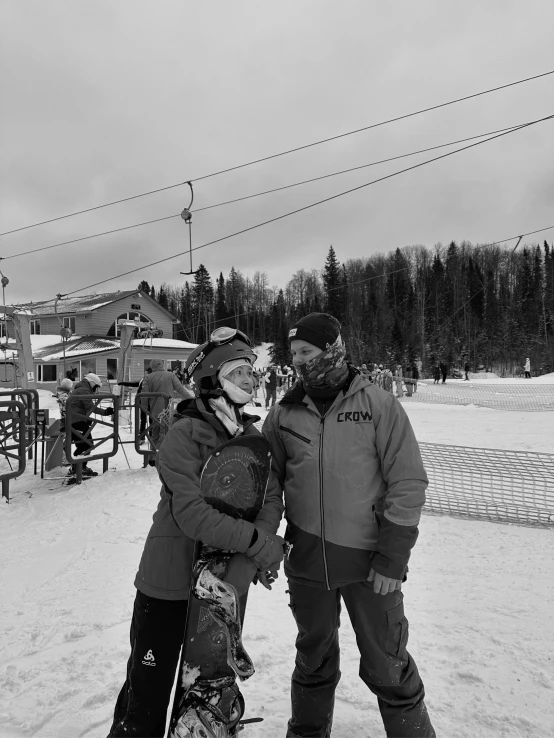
(143, 323)
(4, 332)
(34, 326)
(46, 372)
(111, 368)
(69, 323)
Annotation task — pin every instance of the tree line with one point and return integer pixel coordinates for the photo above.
(489, 306)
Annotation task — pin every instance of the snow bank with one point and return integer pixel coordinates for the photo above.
(480, 613)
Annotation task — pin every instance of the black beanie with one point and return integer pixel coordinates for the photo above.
(319, 329)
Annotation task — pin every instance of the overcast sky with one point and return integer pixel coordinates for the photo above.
(107, 99)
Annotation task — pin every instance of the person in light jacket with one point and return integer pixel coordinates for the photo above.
(220, 372)
(354, 483)
(527, 368)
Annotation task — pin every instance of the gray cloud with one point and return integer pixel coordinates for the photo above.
(105, 100)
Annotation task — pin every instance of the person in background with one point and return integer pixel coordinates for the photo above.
(408, 377)
(527, 368)
(436, 374)
(354, 482)
(415, 375)
(444, 371)
(62, 395)
(138, 385)
(364, 371)
(160, 381)
(84, 406)
(466, 370)
(398, 380)
(270, 380)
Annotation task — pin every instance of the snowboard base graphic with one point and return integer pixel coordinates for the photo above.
(208, 702)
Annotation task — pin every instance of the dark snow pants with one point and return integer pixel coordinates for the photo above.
(157, 633)
(385, 665)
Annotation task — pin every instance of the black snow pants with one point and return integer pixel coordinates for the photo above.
(385, 665)
(157, 633)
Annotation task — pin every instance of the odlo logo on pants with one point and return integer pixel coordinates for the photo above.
(149, 659)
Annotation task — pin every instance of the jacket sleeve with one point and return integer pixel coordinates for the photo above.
(180, 465)
(406, 481)
(84, 400)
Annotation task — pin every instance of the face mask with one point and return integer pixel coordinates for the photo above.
(327, 370)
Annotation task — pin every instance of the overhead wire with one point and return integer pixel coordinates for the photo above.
(283, 153)
(256, 194)
(311, 205)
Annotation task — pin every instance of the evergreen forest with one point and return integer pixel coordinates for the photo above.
(487, 305)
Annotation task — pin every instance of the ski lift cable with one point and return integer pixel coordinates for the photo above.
(188, 212)
(311, 205)
(285, 153)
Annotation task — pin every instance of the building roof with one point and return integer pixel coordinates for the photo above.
(82, 304)
(163, 343)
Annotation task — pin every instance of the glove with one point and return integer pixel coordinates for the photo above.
(240, 573)
(267, 549)
(108, 411)
(269, 575)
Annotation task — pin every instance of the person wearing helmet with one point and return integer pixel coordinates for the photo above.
(221, 376)
(84, 405)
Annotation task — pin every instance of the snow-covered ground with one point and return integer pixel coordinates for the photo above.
(478, 601)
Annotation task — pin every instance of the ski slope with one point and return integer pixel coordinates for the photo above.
(478, 600)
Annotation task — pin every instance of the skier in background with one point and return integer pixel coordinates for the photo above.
(355, 486)
(220, 373)
(527, 368)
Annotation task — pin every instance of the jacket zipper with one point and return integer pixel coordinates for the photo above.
(294, 433)
(321, 505)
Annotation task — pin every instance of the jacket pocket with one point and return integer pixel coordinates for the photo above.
(396, 638)
(165, 564)
(295, 434)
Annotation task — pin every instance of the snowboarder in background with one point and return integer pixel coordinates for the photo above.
(220, 373)
(527, 368)
(355, 486)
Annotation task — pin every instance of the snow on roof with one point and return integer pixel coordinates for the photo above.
(163, 343)
(82, 304)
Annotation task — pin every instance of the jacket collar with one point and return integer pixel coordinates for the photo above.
(194, 408)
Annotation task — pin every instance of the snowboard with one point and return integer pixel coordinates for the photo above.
(208, 702)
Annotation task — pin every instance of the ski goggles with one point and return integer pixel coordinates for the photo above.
(225, 335)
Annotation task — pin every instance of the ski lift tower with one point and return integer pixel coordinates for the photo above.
(22, 333)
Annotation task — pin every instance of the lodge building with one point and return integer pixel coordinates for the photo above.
(94, 345)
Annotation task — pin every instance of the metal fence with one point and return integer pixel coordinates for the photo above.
(12, 443)
(490, 484)
(521, 396)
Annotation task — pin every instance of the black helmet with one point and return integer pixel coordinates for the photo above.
(205, 361)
